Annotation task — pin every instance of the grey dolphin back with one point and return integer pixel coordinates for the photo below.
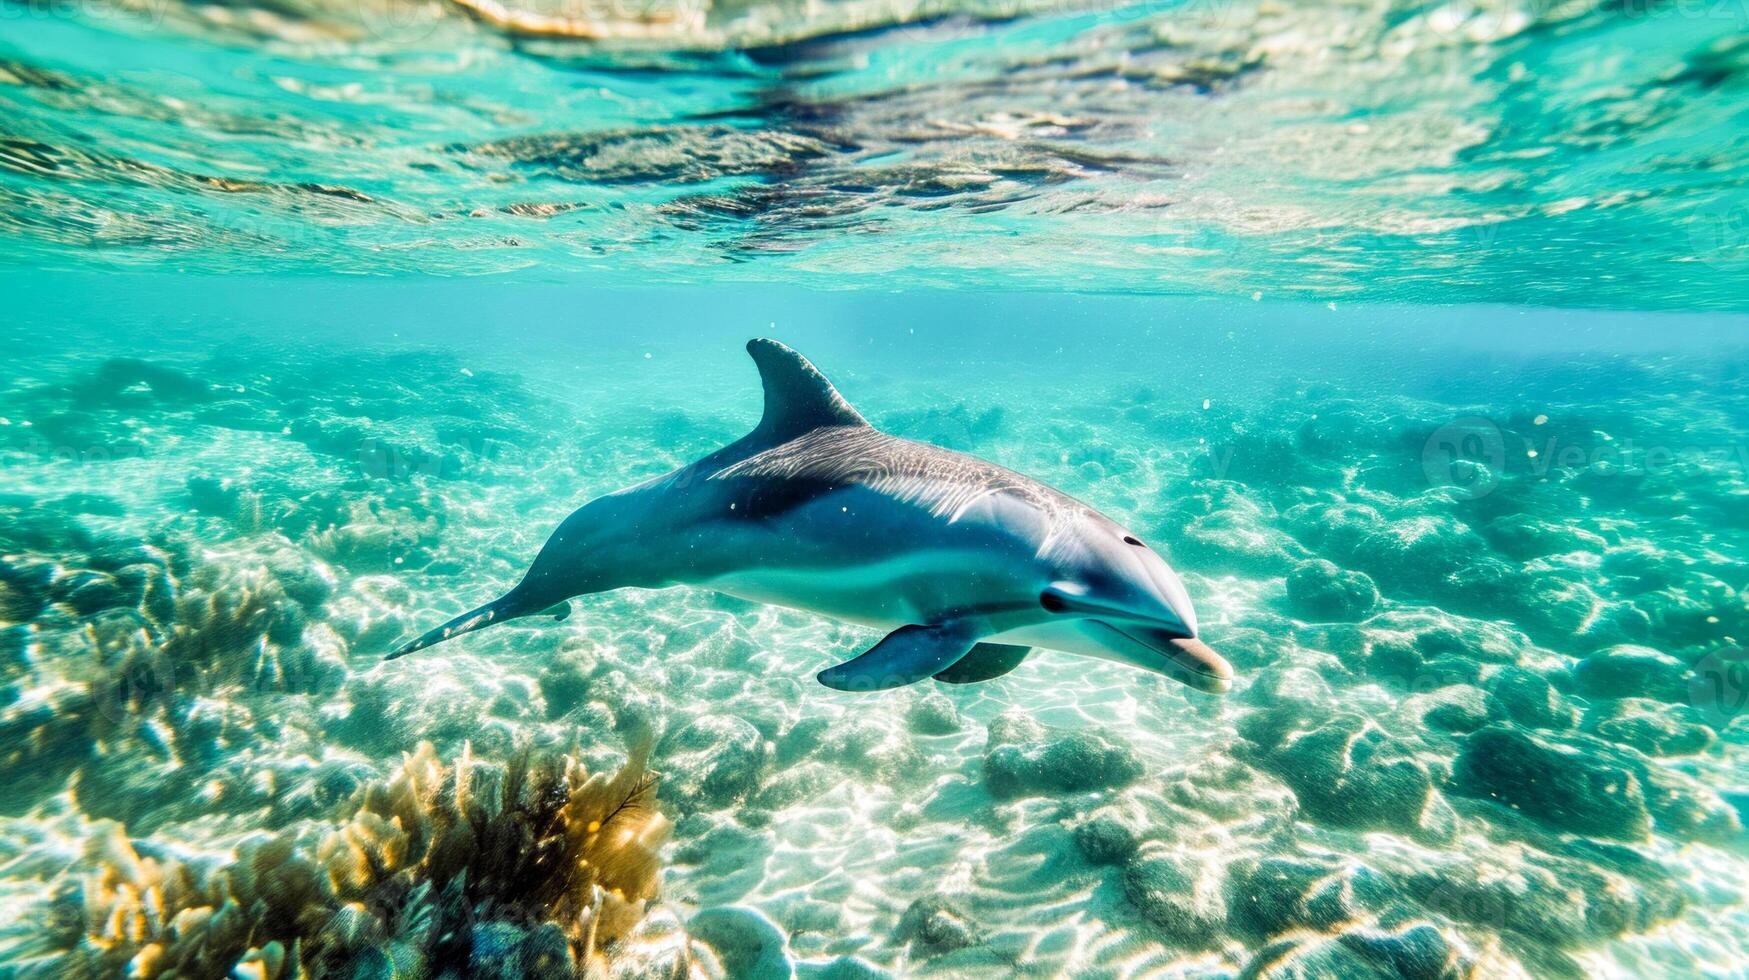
(798, 398)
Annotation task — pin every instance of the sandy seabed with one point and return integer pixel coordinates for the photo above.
(1486, 723)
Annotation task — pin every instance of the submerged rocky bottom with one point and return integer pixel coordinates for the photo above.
(1487, 721)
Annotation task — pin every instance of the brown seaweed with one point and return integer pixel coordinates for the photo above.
(537, 865)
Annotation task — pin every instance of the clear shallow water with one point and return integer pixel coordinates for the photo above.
(1414, 336)
(1498, 734)
(1555, 154)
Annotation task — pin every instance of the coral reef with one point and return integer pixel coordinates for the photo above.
(533, 868)
(1479, 729)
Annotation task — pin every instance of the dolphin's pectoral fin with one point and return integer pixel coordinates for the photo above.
(987, 661)
(906, 656)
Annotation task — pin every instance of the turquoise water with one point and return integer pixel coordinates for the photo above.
(1566, 154)
(1414, 337)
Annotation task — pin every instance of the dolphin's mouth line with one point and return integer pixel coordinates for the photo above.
(1200, 666)
(1185, 657)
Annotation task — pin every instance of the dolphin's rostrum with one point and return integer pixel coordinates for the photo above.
(969, 565)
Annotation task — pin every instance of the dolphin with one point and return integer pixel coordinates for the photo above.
(966, 565)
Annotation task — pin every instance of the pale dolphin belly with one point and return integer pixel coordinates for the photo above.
(909, 588)
(862, 557)
(1063, 637)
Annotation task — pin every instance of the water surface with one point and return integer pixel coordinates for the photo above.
(1413, 335)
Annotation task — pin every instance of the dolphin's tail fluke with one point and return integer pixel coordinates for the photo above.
(505, 607)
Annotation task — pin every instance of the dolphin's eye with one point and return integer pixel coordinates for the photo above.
(1052, 602)
(1129, 540)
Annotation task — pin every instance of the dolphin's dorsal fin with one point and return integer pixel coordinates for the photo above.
(798, 398)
